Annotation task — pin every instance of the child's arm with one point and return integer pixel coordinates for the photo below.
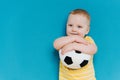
(91, 48)
(61, 42)
(68, 47)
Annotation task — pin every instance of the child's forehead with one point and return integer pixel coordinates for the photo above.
(79, 19)
(78, 16)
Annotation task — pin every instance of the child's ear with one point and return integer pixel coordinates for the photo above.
(88, 29)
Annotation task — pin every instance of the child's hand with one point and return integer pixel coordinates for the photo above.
(67, 48)
(81, 40)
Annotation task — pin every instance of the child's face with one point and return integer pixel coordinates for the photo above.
(77, 25)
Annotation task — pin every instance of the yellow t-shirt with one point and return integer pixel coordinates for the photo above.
(84, 73)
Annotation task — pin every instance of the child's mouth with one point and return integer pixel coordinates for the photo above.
(74, 33)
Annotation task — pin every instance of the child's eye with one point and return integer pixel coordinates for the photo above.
(70, 25)
(79, 26)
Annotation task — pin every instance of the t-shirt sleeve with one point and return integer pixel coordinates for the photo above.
(89, 39)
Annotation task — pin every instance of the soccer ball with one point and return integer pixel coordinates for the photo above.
(74, 59)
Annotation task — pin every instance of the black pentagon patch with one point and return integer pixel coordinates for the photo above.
(85, 62)
(79, 52)
(68, 60)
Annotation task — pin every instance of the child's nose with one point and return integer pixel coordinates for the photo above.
(74, 29)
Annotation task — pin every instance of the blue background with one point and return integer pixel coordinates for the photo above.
(29, 27)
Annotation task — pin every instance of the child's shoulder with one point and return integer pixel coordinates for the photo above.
(89, 38)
